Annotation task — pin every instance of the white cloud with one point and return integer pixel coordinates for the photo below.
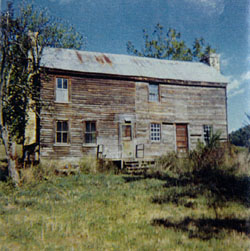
(245, 76)
(235, 93)
(209, 6)
(233, 85)
(238, 86)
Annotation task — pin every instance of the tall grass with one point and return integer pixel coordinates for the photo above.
(109, 212)
(168, 208)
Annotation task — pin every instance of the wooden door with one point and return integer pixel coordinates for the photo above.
(181, 138)
(127, 140)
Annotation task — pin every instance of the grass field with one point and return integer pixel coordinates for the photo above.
(114, 212)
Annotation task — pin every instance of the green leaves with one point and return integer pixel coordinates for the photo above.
(25, 32)
(169, 45)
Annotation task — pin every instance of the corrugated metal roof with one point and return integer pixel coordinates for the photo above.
(94, 62)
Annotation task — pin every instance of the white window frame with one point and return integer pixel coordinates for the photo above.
(62, 90)
(207, 133)
(153, 92)
(155, 132)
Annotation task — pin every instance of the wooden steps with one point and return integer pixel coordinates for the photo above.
(137, 167)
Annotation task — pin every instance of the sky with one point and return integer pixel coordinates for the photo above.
(108, 25)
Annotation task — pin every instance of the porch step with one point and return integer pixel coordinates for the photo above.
(137, 167)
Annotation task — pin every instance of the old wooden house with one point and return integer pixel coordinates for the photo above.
(123, 107)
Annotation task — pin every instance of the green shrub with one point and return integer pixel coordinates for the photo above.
(45, 170)
(211, 170)
(172, 163)
(88, 164)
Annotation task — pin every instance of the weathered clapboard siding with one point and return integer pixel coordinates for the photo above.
(113, 91)
(193, 105)
(99, 100)
(103, 100)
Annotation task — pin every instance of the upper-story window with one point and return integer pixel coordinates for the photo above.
(62, 90)
(153, 92)
(207, 133)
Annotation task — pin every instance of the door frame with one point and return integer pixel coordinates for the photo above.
(187, 134)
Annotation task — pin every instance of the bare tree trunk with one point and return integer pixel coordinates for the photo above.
(11, 154)
(12, 164)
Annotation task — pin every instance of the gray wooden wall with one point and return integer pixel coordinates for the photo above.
(110, 101)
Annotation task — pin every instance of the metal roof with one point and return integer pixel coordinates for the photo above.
(104, 63)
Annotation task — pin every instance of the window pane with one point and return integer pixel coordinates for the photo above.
(153, 92)
(93, 127)
(87, 138)
(155, 132)
(207, 131)
(65, 125)
(90, 132)
(58, 137)
(93, 137)
(65, 83)
(62, 90)
(59, 126)
(59, 83)
(88, 127)
(65, 137)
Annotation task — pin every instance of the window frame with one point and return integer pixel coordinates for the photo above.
(91, 132)
(62, 90)
(207, 133)
(157, 137)
(126, 137)
(152, 93)
(62, 132)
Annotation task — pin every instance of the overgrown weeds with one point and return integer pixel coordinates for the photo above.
(212, 171)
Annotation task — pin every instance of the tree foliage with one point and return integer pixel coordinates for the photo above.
(241, 137)
(24, 34)
(169, 45)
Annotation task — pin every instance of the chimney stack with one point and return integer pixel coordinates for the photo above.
(212, 60)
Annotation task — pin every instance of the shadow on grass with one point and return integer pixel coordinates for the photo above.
(217, 186)
(155, 175)
(220, 183)
(206, 228)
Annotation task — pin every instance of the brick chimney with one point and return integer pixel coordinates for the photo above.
(212, 60)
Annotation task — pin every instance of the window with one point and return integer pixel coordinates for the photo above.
(62, 132)
(153, 92)
(126, 132)
(90, 132)
(207, 132)
(155, 132)
(62, 94)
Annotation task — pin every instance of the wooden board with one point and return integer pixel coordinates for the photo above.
(181, 138)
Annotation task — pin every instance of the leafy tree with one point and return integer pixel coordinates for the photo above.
(23, 36)
(241, 137)
(169, 45)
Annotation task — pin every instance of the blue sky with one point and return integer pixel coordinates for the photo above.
(225, 24)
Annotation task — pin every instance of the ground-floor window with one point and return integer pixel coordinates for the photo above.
(155, 132)
(207, 133)
(90, 132)
(62, 131)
